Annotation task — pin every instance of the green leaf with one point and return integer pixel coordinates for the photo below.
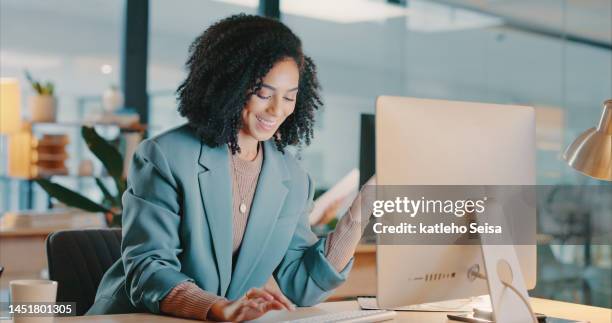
(121, 187)
(70, 197)
(39, 88)
(35, 85)
(331, 225)
(50, 88)
(106, 153)
(106, 193)
(29, 77)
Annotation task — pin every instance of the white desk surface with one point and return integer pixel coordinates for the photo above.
(548, 307)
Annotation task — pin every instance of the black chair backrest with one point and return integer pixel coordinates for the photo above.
(77, 261)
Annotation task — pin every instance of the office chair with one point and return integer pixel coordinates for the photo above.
(77, 261)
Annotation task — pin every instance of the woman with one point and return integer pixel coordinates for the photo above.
(215, 208)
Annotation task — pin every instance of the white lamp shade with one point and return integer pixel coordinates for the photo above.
(10, 106)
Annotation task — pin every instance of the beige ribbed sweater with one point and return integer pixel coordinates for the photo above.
(190, 301)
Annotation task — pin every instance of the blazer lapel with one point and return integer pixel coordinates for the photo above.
(268, 200)
(216, 192)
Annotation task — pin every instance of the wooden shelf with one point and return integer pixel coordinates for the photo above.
(131, 128)
(71, 176)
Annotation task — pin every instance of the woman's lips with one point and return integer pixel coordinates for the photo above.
(265, 124)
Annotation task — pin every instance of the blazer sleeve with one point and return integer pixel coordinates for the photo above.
(150, 222)
(305, 275)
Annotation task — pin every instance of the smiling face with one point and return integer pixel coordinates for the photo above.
(266, 110)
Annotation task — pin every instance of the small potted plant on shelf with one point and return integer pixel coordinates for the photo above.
(43, 105)
(112, 100)
(112, 160)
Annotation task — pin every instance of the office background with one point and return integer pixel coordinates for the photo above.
(555, 55)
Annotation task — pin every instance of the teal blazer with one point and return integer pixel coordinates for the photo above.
(177, 226)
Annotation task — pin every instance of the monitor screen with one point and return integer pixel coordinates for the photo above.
(367, 149)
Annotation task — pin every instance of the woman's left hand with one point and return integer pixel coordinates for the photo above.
(355, 211)
(344, 239)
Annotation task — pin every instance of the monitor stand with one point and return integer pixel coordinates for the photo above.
(509, 298)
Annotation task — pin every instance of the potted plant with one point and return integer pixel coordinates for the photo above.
(43, 105)
(112, 160)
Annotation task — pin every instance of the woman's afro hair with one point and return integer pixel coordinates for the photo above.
(225, 67)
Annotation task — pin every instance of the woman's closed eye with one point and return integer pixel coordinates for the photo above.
(264, 97)
(268, 97)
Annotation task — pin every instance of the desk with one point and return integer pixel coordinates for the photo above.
(552, 308)
(25, 234)
(16, 243)
(362, 280)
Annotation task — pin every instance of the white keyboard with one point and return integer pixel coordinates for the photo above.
(357, 316)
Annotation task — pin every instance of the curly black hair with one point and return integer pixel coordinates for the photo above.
(226, 65)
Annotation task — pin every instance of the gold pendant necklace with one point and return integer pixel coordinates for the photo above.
(242, 207)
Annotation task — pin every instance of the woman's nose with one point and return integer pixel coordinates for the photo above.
(275, 108)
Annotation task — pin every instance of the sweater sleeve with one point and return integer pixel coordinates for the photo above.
(189, 301)
(340, 245)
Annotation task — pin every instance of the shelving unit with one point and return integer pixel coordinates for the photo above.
(77, 152)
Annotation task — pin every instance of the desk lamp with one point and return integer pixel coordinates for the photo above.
(591, 152)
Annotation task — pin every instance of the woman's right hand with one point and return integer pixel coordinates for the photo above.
(255, 303)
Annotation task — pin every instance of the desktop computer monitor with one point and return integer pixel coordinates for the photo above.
(435, 142)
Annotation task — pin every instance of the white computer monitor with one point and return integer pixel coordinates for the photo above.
(436, 142)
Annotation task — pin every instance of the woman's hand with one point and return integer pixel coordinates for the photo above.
(331, 212)
(355, 212)
(255, 303)
(272, 287)
(343, 240)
